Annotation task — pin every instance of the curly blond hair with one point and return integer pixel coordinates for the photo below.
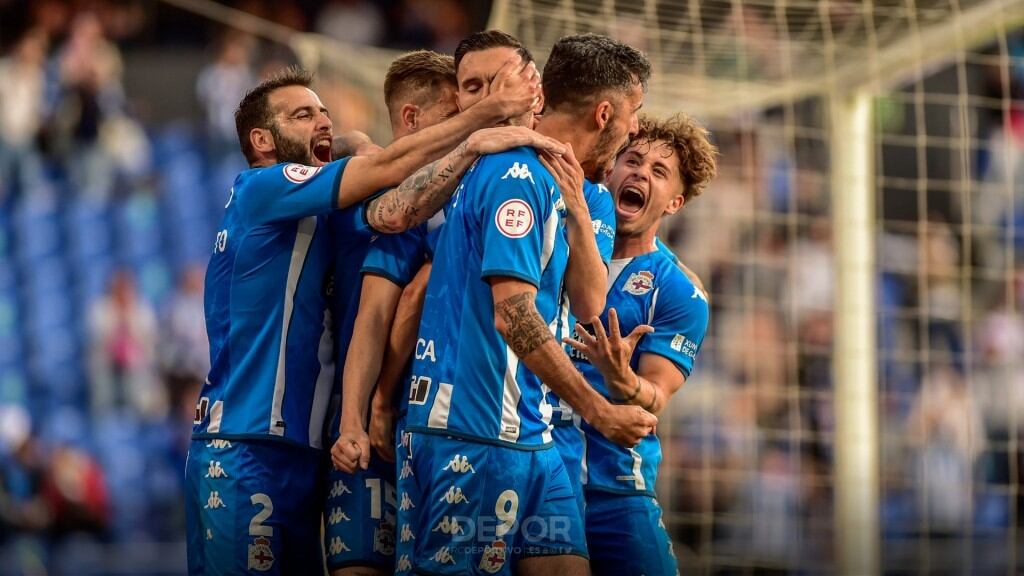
(698, 157)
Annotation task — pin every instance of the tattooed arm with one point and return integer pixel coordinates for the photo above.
(426, 191)
(517, 320)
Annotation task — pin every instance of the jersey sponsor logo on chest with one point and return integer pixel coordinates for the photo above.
(639, 283)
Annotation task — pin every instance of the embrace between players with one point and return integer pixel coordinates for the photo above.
(518, 440)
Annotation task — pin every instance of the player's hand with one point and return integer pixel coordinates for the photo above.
(569, 176)
(382, 428)
(609, 352)
(515, 89)
(624, 424)
(494, 140)
(351, 451)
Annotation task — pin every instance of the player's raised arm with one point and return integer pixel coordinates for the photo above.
(423, 193)
(514, 91)
(586, 277)
(517, 320)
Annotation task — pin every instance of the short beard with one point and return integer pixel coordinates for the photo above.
(288, 150)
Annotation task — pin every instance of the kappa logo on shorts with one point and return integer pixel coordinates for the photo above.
(406, 471)
(403, 564)
(406, 502)
(214, 501)
(514, 218)
(216, 470)
(209, 534)
(337, 515)
(448, 526)
(261, 557)
(444, 556)
(337, 546)
(218, 444)
(493, 558)
(339, 489)
(299, 173)
(454, 495)
(520, 171)
(459, 464)
(406, 534)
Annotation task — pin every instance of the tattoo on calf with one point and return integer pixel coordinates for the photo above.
(525, 329)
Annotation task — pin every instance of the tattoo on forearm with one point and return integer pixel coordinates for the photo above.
(420, 195)
(526, 330)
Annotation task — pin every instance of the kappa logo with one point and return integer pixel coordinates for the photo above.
(406, 471)
(337, 546)
(214, 501)
(697, 293)
(444, 556)
(219, 444)
(406, 534)
(403, 564)
(215, 470)
(520, 171)
(459, 464)
(448, 526)
(514, 218)
(406, 502)
(639, 283)
(299, 173)
(209, 534)
(261, 557)
(339, 489)
(454, 495)
(337, 515)
(493, 558)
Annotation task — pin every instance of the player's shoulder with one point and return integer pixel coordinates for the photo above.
(673, 280)
(521, 163)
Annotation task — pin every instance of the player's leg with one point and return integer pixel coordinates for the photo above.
(359, 520)
(193, 524)
(553, 566)
(626, 536)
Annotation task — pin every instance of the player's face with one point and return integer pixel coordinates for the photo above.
(441, 109)
(477, 69)
(302, 127)
(620, 128)
(646, 185)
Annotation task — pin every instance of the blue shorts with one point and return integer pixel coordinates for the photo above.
(627, 536)
(253, 507)
(359, 517)
(569, 442)
(479, 508)
(406, 540)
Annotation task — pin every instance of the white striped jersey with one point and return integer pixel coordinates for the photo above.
(505, 221)
(266, 308)
(646, 289)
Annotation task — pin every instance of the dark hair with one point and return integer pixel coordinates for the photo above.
(583, 67)
(488, 39)
(254, 109)
(422, 69)
(698, 157)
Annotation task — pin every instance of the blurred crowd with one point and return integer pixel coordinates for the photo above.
(105, 224)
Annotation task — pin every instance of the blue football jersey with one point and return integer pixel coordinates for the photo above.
(602, 216)
(505, 221)
(647, 289)
(266, 307)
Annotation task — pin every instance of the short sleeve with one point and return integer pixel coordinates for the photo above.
(291, 191)
(602, 216)
(680, 320)
(397, 257)
(513, 208)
